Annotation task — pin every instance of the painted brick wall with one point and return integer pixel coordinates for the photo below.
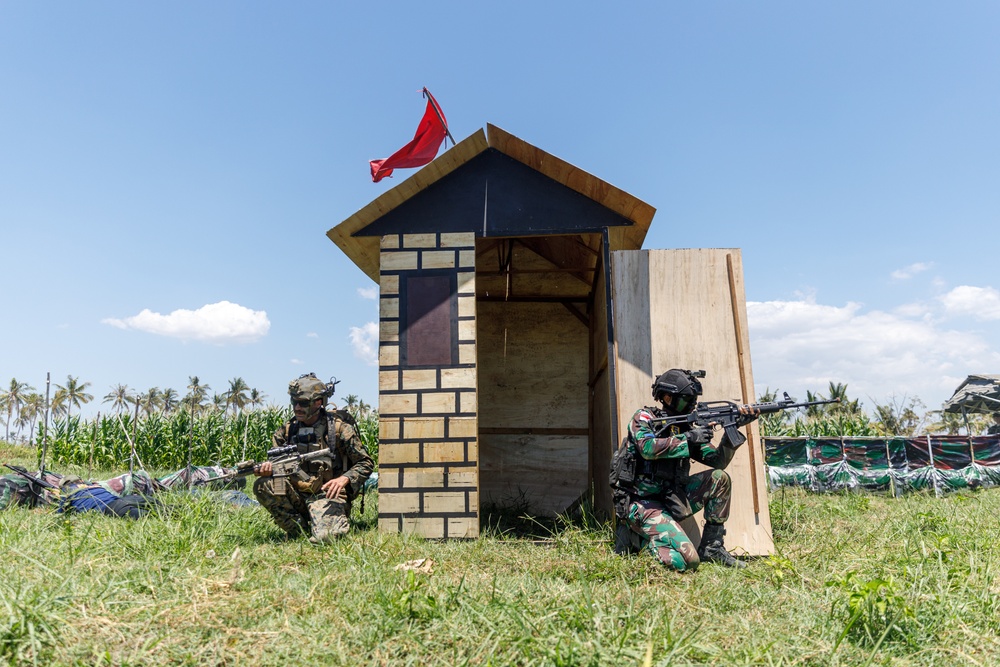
(428, 452)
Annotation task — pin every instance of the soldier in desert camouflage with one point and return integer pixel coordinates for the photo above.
(320, 505)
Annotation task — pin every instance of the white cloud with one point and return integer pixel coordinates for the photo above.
(312, 334)
(368, 292)
(983, 303)
(297, 362)
(364, 340)
(221, 322)
(913, 269)
(800, 345)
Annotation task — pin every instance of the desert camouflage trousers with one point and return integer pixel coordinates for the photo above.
(663, 536)
(299, 514)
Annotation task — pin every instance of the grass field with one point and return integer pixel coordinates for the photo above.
(857, 580)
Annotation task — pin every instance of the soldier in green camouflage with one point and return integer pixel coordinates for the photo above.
(659, 491)
(320, 505)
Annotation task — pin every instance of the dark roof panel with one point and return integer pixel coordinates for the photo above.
(495, 195)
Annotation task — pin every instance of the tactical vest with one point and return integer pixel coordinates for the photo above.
(310, 439)
(627, 467)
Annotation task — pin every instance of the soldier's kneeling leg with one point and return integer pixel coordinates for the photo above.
(663, 536)
(287, 510)
(328, 518)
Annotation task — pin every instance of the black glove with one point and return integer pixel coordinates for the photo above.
(743, 420)
(699, 435)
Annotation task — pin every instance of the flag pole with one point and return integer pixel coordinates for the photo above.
(439, 115)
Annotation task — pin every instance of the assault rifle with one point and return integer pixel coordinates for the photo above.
(285, 462)
(34, 482)
(726, 415)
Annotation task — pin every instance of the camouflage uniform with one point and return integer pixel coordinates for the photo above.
(204, 477)
(16, 490)
(665, 493)
(305, 508)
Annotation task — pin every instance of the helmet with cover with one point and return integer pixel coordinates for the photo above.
(683, 388)
(308, 387)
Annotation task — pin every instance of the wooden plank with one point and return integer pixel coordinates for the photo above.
(532, 274)
(601, 443)
(533, 430)
(673, 309)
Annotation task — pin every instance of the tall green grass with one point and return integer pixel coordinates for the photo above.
(855, 580)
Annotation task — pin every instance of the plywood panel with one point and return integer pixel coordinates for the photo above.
(533, 372)
(532, 366)
(674, 309)
(549, 473)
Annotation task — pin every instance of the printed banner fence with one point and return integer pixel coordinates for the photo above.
(940, 463)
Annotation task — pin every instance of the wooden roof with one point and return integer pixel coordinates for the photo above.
(627, 218)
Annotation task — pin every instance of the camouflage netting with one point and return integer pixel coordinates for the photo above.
(938, 462)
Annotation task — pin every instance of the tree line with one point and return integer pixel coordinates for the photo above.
(906, 416)
(23, 406)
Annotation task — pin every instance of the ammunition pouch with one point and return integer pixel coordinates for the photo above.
(671, 472)
(309, 486)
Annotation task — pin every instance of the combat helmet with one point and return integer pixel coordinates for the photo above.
(308, 387)
(682, 386)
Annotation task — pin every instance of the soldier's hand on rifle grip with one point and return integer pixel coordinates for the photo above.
(263, 470)
(748, 414)
(699, 434)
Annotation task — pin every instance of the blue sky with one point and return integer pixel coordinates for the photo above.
(168, 172)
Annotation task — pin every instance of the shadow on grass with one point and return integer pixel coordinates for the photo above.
(511, 517)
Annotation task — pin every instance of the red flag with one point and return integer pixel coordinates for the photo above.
(431, 132)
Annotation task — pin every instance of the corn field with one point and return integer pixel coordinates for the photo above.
(163, 442)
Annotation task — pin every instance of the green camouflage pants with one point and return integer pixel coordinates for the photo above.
(297, 513)
(663, 536)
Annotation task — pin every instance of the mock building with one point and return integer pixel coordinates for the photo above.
(520, 326)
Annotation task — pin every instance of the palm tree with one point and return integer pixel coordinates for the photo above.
(74, 393)
(32, 408)
(194, 400)
(814, 410)
(150, 401)
(119, 397)
(900, 416)
(838, 390)
(13, 399)
(220, 402)
(351, 403)
(237, 394)
(168, 400)
(257, 398)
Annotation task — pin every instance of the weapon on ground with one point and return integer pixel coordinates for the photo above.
(726, 415)
(33, 481)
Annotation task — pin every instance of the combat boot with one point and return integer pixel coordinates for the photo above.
(626, 542)
(712, 548)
